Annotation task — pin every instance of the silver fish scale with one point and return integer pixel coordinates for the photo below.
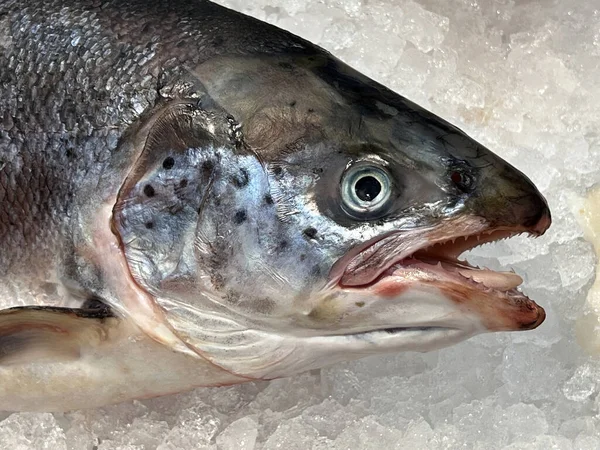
(74, 76)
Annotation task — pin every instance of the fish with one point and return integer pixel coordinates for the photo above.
(191, 197)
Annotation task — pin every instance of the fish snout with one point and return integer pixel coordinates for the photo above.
(508, 199)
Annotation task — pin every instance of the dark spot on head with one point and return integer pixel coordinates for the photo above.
(285, 65)
(315, 271)
(268, 199)
(360, 304)
(240, 216)
(302, 257)
(149, 225)
(241, 179)
(310, 110)
(310, 233)
(317, 170)
(168, 163)
(282, 245)
(278, 171)
(207, 168)
(149, 191)
(293, 103)
(183, 183)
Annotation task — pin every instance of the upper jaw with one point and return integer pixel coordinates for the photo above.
(445, 241)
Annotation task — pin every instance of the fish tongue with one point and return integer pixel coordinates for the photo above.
(501, 281)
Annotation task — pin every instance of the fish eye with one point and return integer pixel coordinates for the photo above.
(366, 190)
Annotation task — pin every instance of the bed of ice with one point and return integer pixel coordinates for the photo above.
(521, 76)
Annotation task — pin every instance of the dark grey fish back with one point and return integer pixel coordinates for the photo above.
(74, 75)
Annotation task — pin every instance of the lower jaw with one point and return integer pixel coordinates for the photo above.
(475, 305)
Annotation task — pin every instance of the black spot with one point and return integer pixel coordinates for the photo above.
(282, 245)
(207, 168)
(302, 257)
(168, 163)
(278, 171)
(183, 183)
(315, 271)
(149, 191)
(149, 225)
(293, 103)
(241, 179)
(285, 65)
(268, 199)
(310, 110)
(94, 307)
(317, 170)
(310, 233)
(240, 216)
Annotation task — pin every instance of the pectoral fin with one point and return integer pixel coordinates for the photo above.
(58, 359)
(38, 334)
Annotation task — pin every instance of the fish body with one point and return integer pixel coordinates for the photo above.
(191, 197)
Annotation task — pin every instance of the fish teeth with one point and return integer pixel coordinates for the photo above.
(501, 281)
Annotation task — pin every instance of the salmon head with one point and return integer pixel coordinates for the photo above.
(287, 212)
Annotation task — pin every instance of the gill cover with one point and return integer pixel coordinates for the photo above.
(158, 206)
(193, 218)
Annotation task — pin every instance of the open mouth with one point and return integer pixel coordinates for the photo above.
(395, 262)
(444, 257)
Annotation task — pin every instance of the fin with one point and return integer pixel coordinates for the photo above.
(34, 333)
(60, 359)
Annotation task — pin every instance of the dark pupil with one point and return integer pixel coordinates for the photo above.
(367, 188)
